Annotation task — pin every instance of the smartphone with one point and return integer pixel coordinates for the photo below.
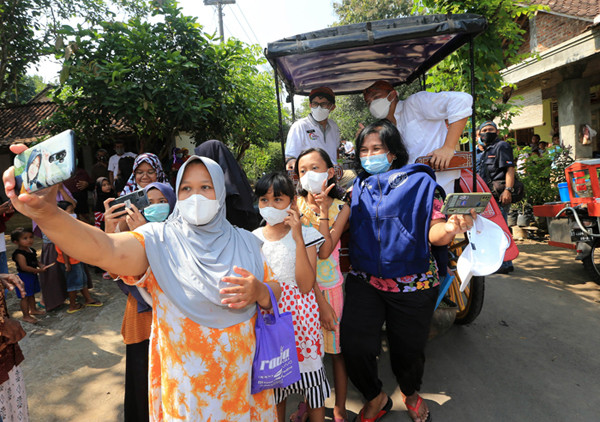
(463, 203)
(137, 198)
(45, 164)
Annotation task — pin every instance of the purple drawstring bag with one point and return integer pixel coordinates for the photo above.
(275, 360)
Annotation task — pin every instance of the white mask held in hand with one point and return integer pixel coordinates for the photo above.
(313, 182)
(198, 209)
(319, 113)
(274, 215)
(380, 107)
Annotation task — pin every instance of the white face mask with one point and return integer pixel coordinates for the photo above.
(198, 209)
(313, 181)
(380, 107)
(319, 113)
(274, 215)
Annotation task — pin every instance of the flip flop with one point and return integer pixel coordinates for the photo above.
(79, 308)
(94, 303)
(302, 409)
(381, 414)
(416, 409)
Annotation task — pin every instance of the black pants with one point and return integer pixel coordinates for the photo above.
(407, 317)
(136, 382)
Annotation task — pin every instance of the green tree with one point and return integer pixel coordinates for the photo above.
(30, 86)
(30, 30)
(351, 109)
(163, 78)
(245, 109)
(260, 160)
(494, 50)
(354, 11)
(18, 46)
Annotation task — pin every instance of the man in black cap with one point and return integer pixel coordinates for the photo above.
(497, 164)
(316, 130)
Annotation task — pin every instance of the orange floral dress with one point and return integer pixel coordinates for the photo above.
(198, 373)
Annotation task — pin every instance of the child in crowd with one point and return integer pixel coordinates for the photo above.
(25, 257)
(74, 272)
(291, 252)
(102, 192)
(323, 210)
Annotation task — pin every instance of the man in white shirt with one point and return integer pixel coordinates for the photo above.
(113, 162)
(429, 123)
(316, 130)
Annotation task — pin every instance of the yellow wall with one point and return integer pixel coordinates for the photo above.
(545, 131)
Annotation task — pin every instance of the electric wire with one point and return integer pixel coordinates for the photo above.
(240, 24)
(248, 23)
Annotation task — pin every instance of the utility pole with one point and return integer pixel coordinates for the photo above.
(219, 4)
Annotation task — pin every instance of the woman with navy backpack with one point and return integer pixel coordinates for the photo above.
(395, 220)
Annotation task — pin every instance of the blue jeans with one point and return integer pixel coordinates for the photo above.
(504, 209)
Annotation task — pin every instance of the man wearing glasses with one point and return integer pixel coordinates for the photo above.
(316, 130)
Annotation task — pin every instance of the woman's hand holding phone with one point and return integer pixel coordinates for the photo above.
(113, 215)
(134, 218)
(460, 223)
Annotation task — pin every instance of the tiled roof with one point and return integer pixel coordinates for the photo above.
(579, 8)
(21, 122)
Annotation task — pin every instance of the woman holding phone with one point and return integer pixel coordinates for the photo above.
(203, 340)
(395, 220)
(137, 319)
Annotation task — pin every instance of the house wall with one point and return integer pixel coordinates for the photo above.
(551, 30)
(545, 131)
(185, 140)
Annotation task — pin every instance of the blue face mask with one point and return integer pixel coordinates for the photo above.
(157, 212)
(375, 164)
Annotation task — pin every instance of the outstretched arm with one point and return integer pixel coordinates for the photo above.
(118, 253)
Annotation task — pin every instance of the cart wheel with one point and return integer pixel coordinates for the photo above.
(469, 302)
(592, 264)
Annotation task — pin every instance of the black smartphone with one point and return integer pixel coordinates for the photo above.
(462, 203)
(137, 198)
(45, 164)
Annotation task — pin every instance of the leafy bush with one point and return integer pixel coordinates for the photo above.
(258, 160)
(541, 175)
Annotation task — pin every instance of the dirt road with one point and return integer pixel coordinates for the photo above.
(74, 364)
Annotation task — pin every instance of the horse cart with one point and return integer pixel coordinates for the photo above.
(350, 58)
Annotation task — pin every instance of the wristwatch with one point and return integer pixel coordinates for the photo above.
(510, 189)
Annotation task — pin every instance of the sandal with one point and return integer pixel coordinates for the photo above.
(94, 303)
(416, 409)
(79, 308)
(381, 414)
(302, 410)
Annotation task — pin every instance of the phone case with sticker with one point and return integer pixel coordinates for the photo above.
(462, 203)
(46, 164)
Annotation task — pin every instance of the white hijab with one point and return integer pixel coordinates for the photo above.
(189, 261)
